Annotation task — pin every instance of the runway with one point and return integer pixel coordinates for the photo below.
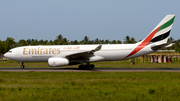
(29, 69)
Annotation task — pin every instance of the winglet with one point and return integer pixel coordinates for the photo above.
(96, 49)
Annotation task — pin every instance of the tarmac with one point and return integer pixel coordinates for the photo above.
(42, 69)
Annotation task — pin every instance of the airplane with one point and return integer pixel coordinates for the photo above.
(63, 55)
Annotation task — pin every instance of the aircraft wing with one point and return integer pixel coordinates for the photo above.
(83, 54)
(161, 46)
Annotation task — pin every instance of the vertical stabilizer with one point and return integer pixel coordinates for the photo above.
(160, 33)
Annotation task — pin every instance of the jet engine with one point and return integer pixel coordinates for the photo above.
(57, 61)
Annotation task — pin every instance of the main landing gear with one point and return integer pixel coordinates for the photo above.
(86, 67)
(22, 65)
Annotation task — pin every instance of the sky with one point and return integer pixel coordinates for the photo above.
(75, 19)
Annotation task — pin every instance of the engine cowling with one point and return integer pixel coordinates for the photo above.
(56, 61)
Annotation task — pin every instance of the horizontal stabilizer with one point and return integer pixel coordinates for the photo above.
(161, 46)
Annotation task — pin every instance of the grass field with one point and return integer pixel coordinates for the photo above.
(88, 86)
(107, 64)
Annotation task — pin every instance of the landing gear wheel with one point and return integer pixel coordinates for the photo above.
(92, 66)
(86, 67)
(81, 67)
(22, 66)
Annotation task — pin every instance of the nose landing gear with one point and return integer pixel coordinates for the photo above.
(22, 65)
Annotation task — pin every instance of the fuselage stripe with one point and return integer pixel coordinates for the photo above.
(144, 43)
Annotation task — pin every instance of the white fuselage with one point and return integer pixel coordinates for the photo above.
(108, 52)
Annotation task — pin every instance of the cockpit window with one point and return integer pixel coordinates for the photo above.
(9, 51)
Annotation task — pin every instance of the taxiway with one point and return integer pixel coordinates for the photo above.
(28, 69)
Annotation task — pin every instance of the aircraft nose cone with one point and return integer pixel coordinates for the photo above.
(6, 55)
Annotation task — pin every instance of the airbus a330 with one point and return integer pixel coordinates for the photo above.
(63, 55)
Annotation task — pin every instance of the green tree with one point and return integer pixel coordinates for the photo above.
(113, 42)
(127, 39)
(96, 41)
(107, 42)
(56, 42)
(2, 47)
(119, 42)
(59, 40)
(41, 42)
(9, 43)
(22, 42)
(86, 40)
(45, 42)
(50, 42)
(75, 42)
(34, 42)
(65, 41)
(170, 40)
(28, 41)
(102, 41)
(133, 40)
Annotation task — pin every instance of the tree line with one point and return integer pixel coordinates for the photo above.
(60, 40)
